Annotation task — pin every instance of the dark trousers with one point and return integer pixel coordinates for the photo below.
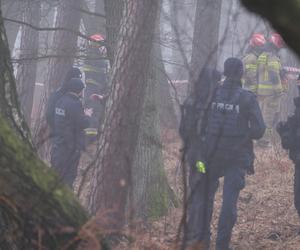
(297, 188)
(200, 206)
(65, 161)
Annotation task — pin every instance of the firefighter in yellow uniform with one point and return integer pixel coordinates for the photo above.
(269, 87)
(95, 69)
(256, 45)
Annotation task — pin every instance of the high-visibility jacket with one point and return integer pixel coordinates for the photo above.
(250, 72)
(269, 81)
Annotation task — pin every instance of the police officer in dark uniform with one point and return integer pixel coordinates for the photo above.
(233, 121)
(194, 110)
(289, 132)
(57, 94)
(69, 123)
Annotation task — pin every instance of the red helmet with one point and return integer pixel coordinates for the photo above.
(97, 37)
(257, 40)
(277, 40)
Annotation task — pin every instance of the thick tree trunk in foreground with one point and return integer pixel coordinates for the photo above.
(113, 13)
(64, 42)
(26, 77)
(283, 15)
(151, 194)
(124, 108)
(34, 208)
(206, 35)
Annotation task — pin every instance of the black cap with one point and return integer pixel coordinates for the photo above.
(75, 73)
(75, 85)
(233, 67)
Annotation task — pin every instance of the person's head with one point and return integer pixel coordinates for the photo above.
(274, 44)
(233, 68)
(277, 41)
(97, 41)
(206, 82)
(75, 86)
(72, 73)
(257, 42)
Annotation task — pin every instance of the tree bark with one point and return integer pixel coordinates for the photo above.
(151, 194)
(166, 106)
(64, 43)
(113, 13)
(34, 208)
(94, 24)
(205, 38)
(124, 108)
(13, 10)
(27, 70)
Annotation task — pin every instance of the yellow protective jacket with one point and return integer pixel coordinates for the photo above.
(268, 70)
(250, 72)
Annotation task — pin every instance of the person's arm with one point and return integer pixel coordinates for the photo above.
(81, 120)
(99, 98)
(256, 121)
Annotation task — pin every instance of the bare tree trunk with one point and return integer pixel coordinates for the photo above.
(151, 194)
(206, 34)
(94, 24)
(124, 108)
(64, 42)
(167, 115)
(27, 70)
(34, 207)
(113, 13)
(13, 10)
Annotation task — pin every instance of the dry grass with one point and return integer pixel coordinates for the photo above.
(267, 218)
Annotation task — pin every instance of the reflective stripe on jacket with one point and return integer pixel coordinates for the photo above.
(250, 72)
(269, 81)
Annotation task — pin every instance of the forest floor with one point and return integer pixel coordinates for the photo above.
(267, 218)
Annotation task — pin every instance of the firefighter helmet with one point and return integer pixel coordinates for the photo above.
(277, 40)
(257, 40)
(97, 37)
(96, 43)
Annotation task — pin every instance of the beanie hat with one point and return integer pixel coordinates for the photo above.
(75, 73)
(233, 67)
(75, 85)
(72, 73)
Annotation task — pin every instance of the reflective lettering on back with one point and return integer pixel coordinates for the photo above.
(226, 107)
(60, 112)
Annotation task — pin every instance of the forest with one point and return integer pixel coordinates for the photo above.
(149, 124)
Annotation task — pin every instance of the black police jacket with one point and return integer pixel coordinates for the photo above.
(50, 108)
(234, 120)
(70, 122)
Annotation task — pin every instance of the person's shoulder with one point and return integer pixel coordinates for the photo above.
(66, 99)
(249, 56)
(248, 93)
(248, 96)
